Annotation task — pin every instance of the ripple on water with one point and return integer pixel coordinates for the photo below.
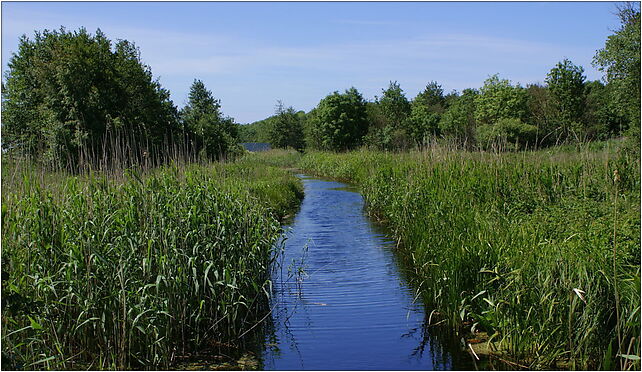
(349, 308)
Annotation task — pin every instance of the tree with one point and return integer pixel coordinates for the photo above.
(458, 121)
(388, 117)
(425, 113)
(432, 97)
(258, 131)
(540, 113)
(620, 60)
(566, 87)
(339, 122)
(211, 134)
(422, 123)
(602, 117)
(498, 99)
(286, 130)
(65, 91)
(394, 105)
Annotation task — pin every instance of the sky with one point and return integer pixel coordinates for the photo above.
(251, 54)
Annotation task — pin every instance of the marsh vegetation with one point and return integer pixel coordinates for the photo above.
(136, 234)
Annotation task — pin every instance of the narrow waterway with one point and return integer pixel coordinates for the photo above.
(340, 298)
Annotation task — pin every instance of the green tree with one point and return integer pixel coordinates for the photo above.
(422, 123)
(286, 130)
(498, 99)
(210, 134)
(566, 87)
(620, 60)
(258, 131)
(432, 97)
(602, 116)
(339, 122)
(379, 135)
(387, 118)
(540, 113)
(394, 105)
(458, 121)
(66, 90)
(425, 113)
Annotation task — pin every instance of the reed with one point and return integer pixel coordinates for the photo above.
(520, 245)
(136, 269)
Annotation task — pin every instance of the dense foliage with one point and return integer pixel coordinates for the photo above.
(620, 59)
(73, 98)
(566, 86)
(339, 122)
(426, 113)
(258, 131)
(65, 91)
(136, 271)
(286, 129)
(210, 134)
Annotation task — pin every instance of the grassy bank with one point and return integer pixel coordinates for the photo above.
(541, 250)
(136, 270)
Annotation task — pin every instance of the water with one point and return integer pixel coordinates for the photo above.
(341, 302)
(256, 146)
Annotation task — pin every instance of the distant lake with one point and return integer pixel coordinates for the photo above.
(256, 146)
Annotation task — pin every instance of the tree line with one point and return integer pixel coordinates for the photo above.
(72, 98)
(499, 115)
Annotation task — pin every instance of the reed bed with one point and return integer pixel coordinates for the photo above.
(539, 249)
(138, 269)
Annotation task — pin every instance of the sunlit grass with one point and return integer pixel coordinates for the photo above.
(136, 269)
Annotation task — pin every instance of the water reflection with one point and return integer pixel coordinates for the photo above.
(340, 301)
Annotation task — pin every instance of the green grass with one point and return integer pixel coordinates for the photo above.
(136, 270)
(276, 158)
(502, 241)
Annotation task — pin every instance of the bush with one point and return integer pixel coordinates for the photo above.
(507, 134)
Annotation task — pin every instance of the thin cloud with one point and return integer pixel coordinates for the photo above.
(362, 22)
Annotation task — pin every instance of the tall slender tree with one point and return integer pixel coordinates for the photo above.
(210, 133)
(425, 113)
(566, 86)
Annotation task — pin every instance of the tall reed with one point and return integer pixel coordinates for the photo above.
(133, 270)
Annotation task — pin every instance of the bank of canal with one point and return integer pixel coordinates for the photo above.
(340, 299)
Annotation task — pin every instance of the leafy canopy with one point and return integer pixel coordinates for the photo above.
(498, 99)
(394, 105)
(620, 59)
(211, 134)
(339, 122)
(66, 90)
(425, 113)
(566, 86)
(287, 129)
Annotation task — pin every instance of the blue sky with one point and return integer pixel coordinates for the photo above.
(251, 54)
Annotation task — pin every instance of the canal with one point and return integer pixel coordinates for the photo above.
(341, 300)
